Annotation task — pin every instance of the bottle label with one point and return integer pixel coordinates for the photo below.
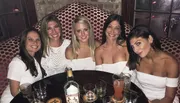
(74, 98)
(69, 73)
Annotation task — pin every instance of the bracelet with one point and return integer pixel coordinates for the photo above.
(117, 101)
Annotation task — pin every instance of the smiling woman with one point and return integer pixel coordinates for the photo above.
(25, 67)
(113, 38)
(81, 52)
(54, 60)
(33, 43)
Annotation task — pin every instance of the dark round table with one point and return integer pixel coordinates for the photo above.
(56, 83)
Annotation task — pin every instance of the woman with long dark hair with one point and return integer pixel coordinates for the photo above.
(25, 67)
(112, 55)
(155, 71)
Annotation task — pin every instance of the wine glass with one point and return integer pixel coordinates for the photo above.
(26, 90)
(100, 89)
(131, 96)
(89, 90)
(40, 91)
(127, 81)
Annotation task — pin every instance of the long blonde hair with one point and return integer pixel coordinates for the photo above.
(75, 42)
(44, 28)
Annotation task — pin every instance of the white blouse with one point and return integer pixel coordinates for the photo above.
(17, 71)
(55, 62)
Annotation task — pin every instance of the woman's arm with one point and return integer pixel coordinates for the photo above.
(98, 58)
(14, 87)
(68, 53)
(16, 70)
(172, 70)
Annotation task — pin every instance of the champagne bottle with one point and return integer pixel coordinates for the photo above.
(71, 88)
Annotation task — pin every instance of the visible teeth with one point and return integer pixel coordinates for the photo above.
(34, 47)
(112, 35)
(54, 36)
(83, 37)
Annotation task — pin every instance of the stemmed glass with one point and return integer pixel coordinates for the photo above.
(100, 89)
(26, 90)
(90, 95)
(40, 91)
(127, 81)
(131, 96)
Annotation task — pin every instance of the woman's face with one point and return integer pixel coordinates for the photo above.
(33, 42)
(53, 30)
(113, 30)
(141, 46)
(82, 32)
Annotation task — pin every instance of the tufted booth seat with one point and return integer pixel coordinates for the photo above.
(10, 47)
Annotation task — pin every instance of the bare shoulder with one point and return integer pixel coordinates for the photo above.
(170, 64)
(68, 52)
(98, 55)
(97, 43)
(169, 58)
(99, 48)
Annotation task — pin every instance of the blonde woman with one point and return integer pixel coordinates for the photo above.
(54, 60)
(81, 52)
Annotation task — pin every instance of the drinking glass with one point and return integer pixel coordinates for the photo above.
(89, 90)
(26, 90)
(118, 84)
(127, 81)
(100, 89)
(40, 91)
(131, 96)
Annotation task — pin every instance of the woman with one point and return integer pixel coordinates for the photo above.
(54, 60)
(112, 55)
(25, 67)
(81, 52)
(156, 72)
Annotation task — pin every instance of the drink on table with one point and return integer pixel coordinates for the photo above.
(118, 84)
(71, 88)
(118, 89)
(100, 89)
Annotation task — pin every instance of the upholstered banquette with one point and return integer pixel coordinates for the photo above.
(10, 47)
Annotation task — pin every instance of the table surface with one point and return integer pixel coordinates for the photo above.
(56, 83)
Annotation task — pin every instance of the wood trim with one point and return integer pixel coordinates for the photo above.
(128, 11)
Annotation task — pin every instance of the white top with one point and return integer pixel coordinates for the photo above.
(17, 71)
(154, 86)
(115, 68)
(55, 62)
(82, 64)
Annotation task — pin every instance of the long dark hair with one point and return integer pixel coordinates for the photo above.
(26, 57)
(111, 18)
(143, 32)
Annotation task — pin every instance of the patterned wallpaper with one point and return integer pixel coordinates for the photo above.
(44, 7)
